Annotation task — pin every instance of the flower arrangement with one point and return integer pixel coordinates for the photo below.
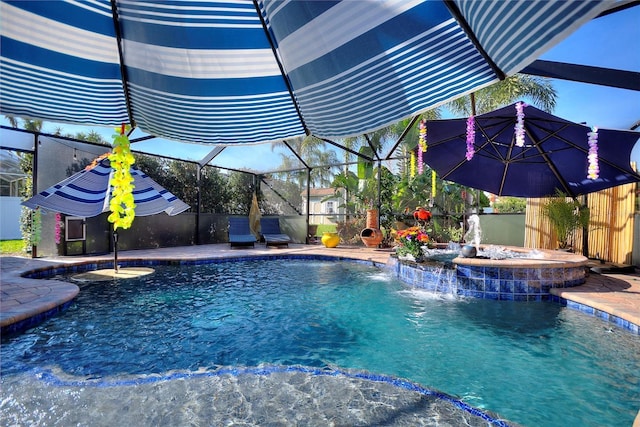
(519, 128)
(594, 168)
(433, 184)
(121, 204)
(411, 240)
(471, 137)
(412, 165)
(422, 144)
(58, 228)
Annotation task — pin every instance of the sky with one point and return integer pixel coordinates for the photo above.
(609, 42)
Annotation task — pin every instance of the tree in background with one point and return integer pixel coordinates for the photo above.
(241, 189)
(538, 90)
(510, 205)
(29, 219)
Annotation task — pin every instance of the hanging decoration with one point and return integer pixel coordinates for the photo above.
(36, 227)
(121, 203)
(519, 128)
(433, 184)
(58, 228)
(422, 144)
(412, 165)
(471, 137)
(593, 171)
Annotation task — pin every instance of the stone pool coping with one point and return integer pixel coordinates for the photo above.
(552, 259)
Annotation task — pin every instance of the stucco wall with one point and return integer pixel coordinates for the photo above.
(503, 229)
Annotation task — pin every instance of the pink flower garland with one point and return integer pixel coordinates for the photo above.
(58, 231)
(519, 128)
(594, 170)
(422, 144)
(471, 137)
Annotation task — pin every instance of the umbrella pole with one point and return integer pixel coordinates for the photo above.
(115, 251)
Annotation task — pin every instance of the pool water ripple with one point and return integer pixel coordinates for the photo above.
(528, 362)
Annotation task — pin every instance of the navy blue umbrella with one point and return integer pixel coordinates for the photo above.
(553, 157)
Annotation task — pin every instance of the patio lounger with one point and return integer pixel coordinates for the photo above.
(240, 233)
(270, 229)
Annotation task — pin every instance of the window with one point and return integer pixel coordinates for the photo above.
(330, 207)
(75, 229)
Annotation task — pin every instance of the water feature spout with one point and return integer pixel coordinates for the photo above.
(474, 233)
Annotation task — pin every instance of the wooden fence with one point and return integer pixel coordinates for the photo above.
(610, 231)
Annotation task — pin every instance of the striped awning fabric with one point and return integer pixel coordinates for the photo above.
(258, 71)
(86, 194)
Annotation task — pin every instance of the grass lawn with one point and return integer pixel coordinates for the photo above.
(325, 228)
(11, 247)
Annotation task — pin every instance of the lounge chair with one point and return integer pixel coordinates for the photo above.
(270, 229)
(240, 233)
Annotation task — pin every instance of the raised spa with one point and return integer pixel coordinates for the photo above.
(529, 276)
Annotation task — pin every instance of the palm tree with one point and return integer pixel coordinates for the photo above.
(315, 153)
(28, 124)
(538, 90)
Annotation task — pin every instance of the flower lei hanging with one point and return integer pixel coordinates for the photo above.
(36, 227)
(471, 137)
(412, 165)
(433, 184)
(121, 203)
(519, 128)
(58, 229)
(422, 144)
(594, 170)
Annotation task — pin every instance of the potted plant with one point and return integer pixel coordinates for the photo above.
(566, 216)
(410, 242)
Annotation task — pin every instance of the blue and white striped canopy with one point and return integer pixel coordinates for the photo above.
(256, 71)
(87, 194)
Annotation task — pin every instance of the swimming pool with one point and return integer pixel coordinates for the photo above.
(533, 363)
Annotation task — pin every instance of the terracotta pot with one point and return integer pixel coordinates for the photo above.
(371, 236)
(330, 240)
(372, 218)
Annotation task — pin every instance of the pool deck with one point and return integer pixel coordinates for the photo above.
(23, 298)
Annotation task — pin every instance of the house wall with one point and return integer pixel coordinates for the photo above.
(10, 218)
(319, 212)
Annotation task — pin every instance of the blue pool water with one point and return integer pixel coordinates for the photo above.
(537, 364)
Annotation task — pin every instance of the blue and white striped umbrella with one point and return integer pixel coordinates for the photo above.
(86, 194)
(257, 71)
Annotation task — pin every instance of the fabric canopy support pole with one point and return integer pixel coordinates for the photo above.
(115, 251)
(198, 201)
(123, 68)
(308, 202)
